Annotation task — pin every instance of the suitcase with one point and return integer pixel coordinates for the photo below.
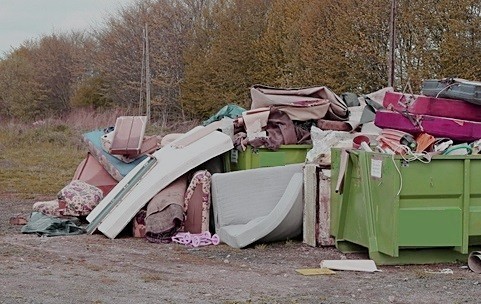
(455, 129)
(427, 105)
(455, 88)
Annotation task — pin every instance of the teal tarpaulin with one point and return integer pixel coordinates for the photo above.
(51, 226)
(230, 110)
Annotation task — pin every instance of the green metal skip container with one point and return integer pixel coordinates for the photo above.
(253, 158)
(406, 212)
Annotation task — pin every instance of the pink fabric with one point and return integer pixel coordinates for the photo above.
(255, 120)
(263, 96)
(455, 129)
(281, 130)
(76, 199)
(79, 198)
(93, 173)
(420, 105)
(197, 203)
(138, 225)
(165, 212)
(47, 207)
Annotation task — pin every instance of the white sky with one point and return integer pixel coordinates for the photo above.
(22, 20)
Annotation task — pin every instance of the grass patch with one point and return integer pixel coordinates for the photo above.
(38, 159)
(261, 246)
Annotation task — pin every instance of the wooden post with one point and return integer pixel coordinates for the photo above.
(310, 205)
(392, 46)
(147, 72)
(142, 77)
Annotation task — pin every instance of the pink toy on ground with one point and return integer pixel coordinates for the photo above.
(196, 240)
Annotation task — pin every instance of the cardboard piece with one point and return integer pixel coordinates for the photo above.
(353, 265)
(315, 271)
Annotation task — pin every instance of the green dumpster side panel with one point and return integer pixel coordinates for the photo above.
(431, 204)
(475, 199)
(356, 213)
(390, 206)
(335, 199)
(435, 227)
(433, 178)
(475, 220)
(253, 158)
(386, 206)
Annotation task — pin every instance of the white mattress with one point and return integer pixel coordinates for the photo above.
(264, 204)
(116, 210)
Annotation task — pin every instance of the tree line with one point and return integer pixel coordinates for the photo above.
(204, 54)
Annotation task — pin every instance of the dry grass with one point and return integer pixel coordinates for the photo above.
(152, 277)
(88, 119)
(38, 159)
(261, 246)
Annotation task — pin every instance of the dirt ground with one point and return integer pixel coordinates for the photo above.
(95, 269)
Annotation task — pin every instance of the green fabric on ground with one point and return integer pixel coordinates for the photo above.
(51, 226)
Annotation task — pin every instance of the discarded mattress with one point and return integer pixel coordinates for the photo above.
(455, 129)
(91, 171)
(152, 175)
(426, 105)
(258, 205)
(115, 167)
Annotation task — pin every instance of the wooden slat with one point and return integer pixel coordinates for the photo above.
(324, 236)
(128, 136)
(310, 205)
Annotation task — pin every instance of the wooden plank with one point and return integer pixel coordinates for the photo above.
(310, 205)
(128, 136)
(324, 237)
(315, 271)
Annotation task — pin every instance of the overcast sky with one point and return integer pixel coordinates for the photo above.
(21, 20)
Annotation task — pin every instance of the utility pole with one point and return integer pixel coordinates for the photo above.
(147, 72)
(392, 46)
(142, 77)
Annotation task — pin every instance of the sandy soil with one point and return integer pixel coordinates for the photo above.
(94, 269)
